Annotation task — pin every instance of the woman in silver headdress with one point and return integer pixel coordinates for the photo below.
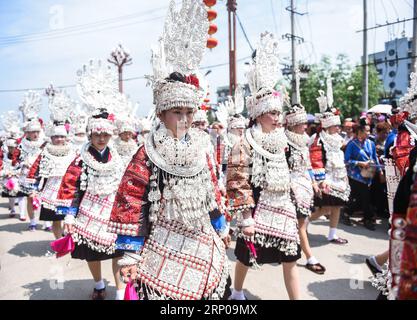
(168, 213)
(302, 178)
(258, 179)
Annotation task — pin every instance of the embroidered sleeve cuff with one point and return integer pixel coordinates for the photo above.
(69, 219)
(241, 208)
(220, 225)
(129, 259)
(72, 211)
(129, 243)
(320, 175)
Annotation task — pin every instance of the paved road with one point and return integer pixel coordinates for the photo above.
(30, 272)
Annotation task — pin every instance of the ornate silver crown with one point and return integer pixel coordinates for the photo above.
(200, 116)
(296, 115)
(60, 106)
(79, 118)
(229, 112)
(328, 115)
(98, 88)
(30, 108)
(11, 124)
(180, 49)
(263, 75)
(126, 120)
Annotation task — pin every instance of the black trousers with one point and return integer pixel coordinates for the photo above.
(379, 198)
(360, 196)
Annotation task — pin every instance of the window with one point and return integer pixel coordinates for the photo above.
(392, 63)
(392, 74)
(391, 52)
(379, 71)
(392, 85)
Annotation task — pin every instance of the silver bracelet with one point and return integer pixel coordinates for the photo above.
(129, 259)
(249, 222)
(69, 219)
(225, 232)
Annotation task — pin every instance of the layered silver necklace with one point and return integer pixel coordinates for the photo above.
(188, 191)
(55, 160)
(98, 178)
(269, 165)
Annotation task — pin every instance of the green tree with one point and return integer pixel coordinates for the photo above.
(347, 85)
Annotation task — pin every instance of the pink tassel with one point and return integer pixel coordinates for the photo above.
(253, 255)
(251, 248)
(36, 203)
(63, 246)
(130, 292)
(10, 184)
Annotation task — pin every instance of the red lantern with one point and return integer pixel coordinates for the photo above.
(212, 29)
(210, 3)
(211, 43)
(211, 15)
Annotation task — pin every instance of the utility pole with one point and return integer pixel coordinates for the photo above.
(295, 82)
(414, 41)
(295, 85)
(231, 9)
(365, 76)
(365, 59)
(120, 58)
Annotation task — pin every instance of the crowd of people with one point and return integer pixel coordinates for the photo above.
(162, 197)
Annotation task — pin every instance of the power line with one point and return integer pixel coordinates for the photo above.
(81, 26)
(125, 80)
(387, 24)
(7, 43)
(273, 16)
(409, 4)
(311, 32)
(384, 61)
(244, 33)
(395, 9)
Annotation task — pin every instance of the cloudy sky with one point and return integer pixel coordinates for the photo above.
(46, 41)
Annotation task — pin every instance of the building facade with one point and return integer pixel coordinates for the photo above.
(394, 66)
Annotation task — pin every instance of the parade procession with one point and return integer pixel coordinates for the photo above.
(149, 187)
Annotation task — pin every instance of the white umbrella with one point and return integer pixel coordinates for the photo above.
(381, 108)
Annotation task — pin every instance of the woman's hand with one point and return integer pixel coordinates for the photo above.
(249, 231)
(316, 189)
(227, 240)
(382, 178)
(129, 273)
(363, 164)
(68, 228)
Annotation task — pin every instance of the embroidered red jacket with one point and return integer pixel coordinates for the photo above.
(403, 145)
(403, 242)
(317, 158)
(129, 215)
(34, 169)
(11, 156)
(70, 194)
(131, 207)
